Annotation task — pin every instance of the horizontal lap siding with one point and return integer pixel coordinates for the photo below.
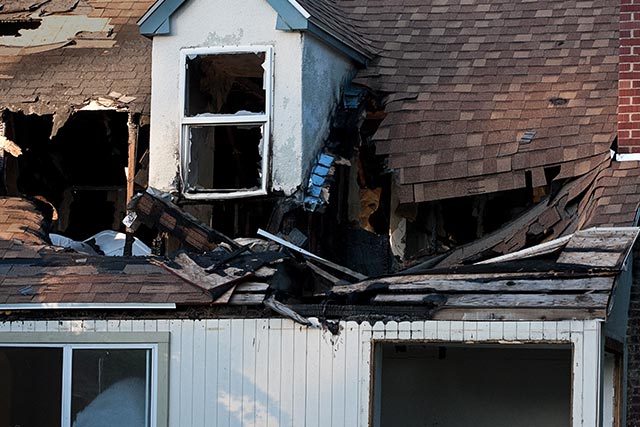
(274, 372)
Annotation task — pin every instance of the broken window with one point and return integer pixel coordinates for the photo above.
(76, 385)
(225, 122)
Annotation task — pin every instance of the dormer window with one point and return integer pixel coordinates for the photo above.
(226, 117)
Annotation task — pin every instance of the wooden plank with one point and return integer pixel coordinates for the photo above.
(299, 367)
(593, 258)
(175, 368)
(261, 376)
(417, 330)
(246, 287)
(470, 331)
(504, 301)
(313, 379)
(324, 274)
(314, 257)
(352, 368)
(186, 371)
(404, 330)
(198, 401)
(224, 399)
(289, 328)
(591, 378)
(339, 377)
(551, 285)
(577, 386)
(419, 279)
(485, 315)
(247, 415)
(246, 299)
(364, 375)
(274, 373)
(236, 372)
(391, 330)
(541, 249)
(210, 372)
(325, 370)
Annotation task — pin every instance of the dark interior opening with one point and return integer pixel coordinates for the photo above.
(30, 386)
(441, 225)
(225, 83)
(225, 157)
(417, 385)
(81, 170)
(12, 28)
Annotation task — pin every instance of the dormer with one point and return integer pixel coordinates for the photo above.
(243, 93)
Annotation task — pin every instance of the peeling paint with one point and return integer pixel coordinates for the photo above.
(233, 39)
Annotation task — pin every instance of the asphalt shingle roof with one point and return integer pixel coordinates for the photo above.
(466, 80)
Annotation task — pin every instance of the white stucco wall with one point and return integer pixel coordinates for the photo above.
(274, 372)
(215, 23)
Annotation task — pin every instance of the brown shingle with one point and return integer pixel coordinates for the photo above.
(54, 276)
(492, 68)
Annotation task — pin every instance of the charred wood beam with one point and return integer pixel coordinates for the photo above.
(132, 126)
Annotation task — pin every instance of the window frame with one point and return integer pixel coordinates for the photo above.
(263, 120)
(156, 342)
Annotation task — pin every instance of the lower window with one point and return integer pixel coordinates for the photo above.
(77, 385)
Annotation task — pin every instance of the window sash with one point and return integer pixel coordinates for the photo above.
(226, 119)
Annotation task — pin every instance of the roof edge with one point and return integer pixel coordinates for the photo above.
(291, 17)
(88, 306)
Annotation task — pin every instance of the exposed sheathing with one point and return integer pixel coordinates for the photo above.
(82, 50)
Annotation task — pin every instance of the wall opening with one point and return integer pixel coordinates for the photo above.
(80, 170)
(472, 385)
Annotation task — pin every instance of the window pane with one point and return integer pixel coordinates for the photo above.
(110, 388)
(225, 84)
(30, 386)
(225, 157)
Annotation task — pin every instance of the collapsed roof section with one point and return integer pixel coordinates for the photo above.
(572, 279)
(61, 54)
(484, 95)
(608, 196)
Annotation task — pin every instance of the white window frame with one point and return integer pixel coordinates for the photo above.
(263, 120)
(157, 343)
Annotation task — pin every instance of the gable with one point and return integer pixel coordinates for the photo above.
(327, 23)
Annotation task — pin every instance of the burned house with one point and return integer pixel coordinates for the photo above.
(348, 213)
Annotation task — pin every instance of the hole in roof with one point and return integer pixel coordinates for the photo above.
(558, 101)
(12, 28)
(528, 136)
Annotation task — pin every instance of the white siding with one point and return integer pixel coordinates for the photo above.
(274, 372)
